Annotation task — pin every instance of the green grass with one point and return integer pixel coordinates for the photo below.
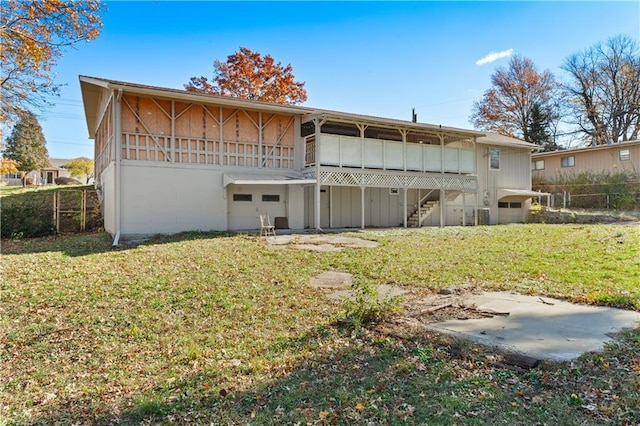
(220, 328)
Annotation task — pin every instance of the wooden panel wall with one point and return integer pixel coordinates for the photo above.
(156, 130)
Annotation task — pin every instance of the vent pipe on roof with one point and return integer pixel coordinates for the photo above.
(414, 116)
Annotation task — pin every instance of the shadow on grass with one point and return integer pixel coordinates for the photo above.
(365, 378)
(92, 243)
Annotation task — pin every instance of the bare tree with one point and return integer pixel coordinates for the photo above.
(604, 90)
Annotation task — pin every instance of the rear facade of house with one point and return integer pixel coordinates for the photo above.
(169, 161)
(622, 157)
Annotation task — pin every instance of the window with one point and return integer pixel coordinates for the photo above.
(568, 161)
(242, 197)
(394, 191)
(494, 159)
(512, 205)
(625, 155)
(271, 198)
(537, 165)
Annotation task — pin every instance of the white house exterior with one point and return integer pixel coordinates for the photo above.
(170, 160)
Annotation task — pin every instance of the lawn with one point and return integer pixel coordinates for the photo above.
(215, 328)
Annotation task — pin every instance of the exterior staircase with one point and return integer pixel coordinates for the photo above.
(425, 210)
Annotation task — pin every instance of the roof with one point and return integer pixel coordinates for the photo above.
(262, 179)
(616, 145)
(501, 140)
(92, 88)
(522, 194)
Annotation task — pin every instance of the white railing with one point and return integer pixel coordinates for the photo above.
(187, 150)
(349, 151)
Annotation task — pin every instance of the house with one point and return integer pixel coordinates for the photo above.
(55, 169)
(613, 158)
(44, 176)
(169, 160)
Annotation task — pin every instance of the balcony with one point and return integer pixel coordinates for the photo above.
(367, 153)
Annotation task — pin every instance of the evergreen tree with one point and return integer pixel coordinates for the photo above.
(26, 145)
(538, 129)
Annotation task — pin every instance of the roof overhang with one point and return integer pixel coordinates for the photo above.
(519, 194)
(255, 179)
(390, 123)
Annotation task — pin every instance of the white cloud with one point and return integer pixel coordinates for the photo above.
(493, 56)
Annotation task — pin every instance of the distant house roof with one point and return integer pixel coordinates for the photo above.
(56, 163)
(563, 152)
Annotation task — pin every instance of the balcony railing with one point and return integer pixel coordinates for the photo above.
(367, 153)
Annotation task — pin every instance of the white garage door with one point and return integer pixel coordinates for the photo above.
(247, 202)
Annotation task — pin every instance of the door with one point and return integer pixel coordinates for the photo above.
(247, 202)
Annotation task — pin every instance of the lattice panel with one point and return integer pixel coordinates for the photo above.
(369, 178)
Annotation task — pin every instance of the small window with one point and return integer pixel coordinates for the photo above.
(267, 198)
(625, 155)
(512, 205)
(568, 161)
(242, 197)
(494, 159)
(394, 191)
(537, 165)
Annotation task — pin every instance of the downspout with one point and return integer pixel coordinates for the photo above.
(117, 142)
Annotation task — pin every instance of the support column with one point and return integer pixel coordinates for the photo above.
(316, 122)
(464, 209)
(443, 198)
(404, 222)
(260, 139)
(404, 150)
(331, 207)
(362, 188)
(173, 131)
(419, 208)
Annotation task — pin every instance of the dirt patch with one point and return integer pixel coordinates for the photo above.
(319, 242)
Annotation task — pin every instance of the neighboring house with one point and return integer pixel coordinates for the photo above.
(169, 160)
(49, 174)
(44, 176)
(612, 158)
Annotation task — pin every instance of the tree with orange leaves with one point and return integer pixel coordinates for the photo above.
(33, 36)
(249, 75)
(520, 99)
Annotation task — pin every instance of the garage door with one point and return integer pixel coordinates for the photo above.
(247, 202)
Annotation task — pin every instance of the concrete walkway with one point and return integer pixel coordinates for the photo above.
(540, 327)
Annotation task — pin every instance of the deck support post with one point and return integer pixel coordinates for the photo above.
(404, 222)
(362, 188)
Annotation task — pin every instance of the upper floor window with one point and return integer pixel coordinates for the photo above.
(494, 159)
(568, 161)
(625, 155)
(537, 165)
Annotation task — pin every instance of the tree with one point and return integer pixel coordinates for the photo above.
(604, 90)
(508, 107)
(26, 145)
(539, 130)
(8, 166)
(79, 167)
(249, 75)
(34, 36)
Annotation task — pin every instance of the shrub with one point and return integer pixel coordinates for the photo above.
(367, 306)
(61, 180)
(27, 215)
(618, 191)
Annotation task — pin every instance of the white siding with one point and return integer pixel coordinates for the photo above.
(164, 198)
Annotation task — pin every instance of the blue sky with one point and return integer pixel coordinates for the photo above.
(376, 58)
